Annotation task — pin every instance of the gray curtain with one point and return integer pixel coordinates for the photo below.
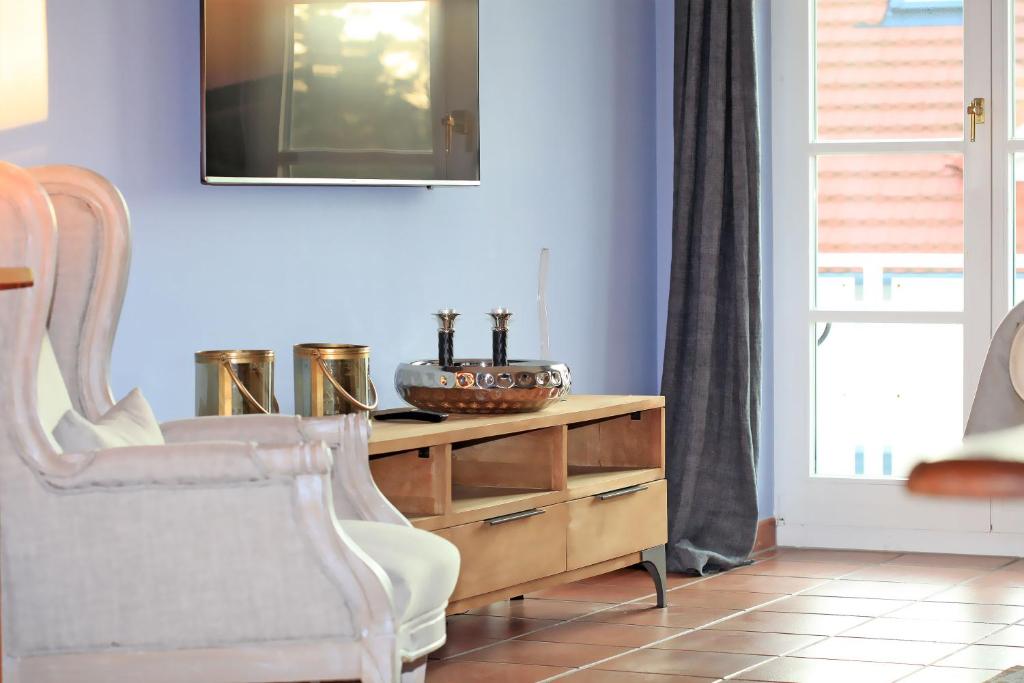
(712, 371)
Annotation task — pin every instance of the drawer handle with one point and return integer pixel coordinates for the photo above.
(622, 492)
(502, 519)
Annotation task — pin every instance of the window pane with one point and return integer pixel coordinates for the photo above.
(890, 232)
(889, 69)
(886, 395)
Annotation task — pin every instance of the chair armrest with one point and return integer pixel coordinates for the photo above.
(986, 465)
(259, 428)
(203, 464)
(356, 496)
(204, 527)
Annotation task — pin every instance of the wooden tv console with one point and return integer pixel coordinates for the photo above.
(536, 499)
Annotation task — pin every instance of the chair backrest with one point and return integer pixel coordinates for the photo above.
(93, 258)
(27, 238)
(997, 404)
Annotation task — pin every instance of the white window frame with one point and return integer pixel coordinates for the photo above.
(861, 512)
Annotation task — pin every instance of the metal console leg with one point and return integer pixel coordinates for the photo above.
(653, 560)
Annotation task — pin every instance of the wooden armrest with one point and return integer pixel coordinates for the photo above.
(15, 278)
(969, 478)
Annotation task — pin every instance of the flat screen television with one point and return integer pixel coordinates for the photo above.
(340, 92)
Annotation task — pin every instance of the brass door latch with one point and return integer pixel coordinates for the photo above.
(976, 110)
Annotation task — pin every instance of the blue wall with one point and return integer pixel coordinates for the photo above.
(568, 138)
(583, 85)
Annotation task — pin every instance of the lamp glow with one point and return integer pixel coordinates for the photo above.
(24, 74)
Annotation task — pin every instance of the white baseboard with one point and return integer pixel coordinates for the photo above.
(903, 540)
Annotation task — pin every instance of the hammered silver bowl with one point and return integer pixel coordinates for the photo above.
(475, 386)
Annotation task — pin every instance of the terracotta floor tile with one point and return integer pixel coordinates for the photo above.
(682, 662)
(886, 590)
(739, 642)
(540, 609)
(688, 597)
(813, 570)
(915, 574)
(485, 672)
(941, 674)
(985, 657)
(987, 595)
(499, 628)
(1011, 636)
(955, 611)
(630, 576)
(998, 579)
(780, 622)
(468, 632)
(928, 630)
(594, 633)
(753, 583)
(594, 592)
(680, 616)
(941, 560)
(876, 650)
(845, 556)
(600, 676)
(859, 616)
(820, 604)
(548, 654)
(794, 670)
(454, 647)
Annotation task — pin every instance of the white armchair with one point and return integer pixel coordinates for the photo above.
(201, 560)
(94, 257)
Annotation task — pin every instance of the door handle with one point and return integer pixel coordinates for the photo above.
(504, 519)
(622, 492)
(976, 110)
(456, 121)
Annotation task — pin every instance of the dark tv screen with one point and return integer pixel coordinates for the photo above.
(367, 92)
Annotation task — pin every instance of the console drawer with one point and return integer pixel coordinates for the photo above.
(509, 550)
(616, 523)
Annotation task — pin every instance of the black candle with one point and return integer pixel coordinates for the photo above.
(446, 337)
(499, 336)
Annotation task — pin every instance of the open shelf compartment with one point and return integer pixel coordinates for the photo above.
(615, 451)
(508, 468)
(468, 478)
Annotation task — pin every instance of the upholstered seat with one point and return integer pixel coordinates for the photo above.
(241, 550)
(419, 565)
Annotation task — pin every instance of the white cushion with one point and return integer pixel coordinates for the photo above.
(129, 423)
(52, 397)
(422, 566)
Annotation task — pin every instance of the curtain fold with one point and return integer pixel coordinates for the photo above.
(712, 370)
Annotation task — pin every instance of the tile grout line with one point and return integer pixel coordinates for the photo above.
(976, 641)
(577, 618)
(707, 626)
(924, 667)
(921, 667)
(823, 638)
(771, 602)
(762, 606)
